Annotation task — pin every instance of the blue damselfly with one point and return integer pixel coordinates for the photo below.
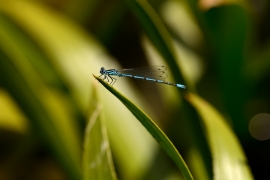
(151, 73)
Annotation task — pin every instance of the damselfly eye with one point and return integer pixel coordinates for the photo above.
(102, 70)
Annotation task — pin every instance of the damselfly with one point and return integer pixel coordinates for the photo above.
(152, 73)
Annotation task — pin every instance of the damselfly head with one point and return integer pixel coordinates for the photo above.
(102, 70)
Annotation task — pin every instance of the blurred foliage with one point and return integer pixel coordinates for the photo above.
(58, 122)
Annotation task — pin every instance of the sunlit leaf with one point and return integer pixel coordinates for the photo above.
(174, 12)
(46, 109)
(11, 116)
(74, 55)
(159, 36)
(229, 161)
(65, 45)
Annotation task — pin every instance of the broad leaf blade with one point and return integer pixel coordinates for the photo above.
(45, 109)
(74, 55)
(229, 161)
(152, 128)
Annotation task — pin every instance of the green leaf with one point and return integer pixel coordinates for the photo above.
(159, 36)
(229, 27)
(66, 47)
(133, 162)
(74, 55)
(11, 116)
(229, 161)
(152, 128)
(46, 108)
(97, 159)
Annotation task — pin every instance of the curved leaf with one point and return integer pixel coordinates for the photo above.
(74, 55)
(159, 36)
(152, 128)
(11, 116)
(46, 109)
(229, 161)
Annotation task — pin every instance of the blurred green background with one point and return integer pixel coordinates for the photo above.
(57, 122)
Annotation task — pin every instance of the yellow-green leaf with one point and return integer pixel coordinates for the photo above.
(159, 36)
(229, 161)
(46, 108)
(11, 116)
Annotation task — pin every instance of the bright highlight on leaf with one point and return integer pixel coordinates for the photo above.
(229, 161)
(11, 116)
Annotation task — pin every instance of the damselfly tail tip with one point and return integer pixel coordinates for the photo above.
(181, 86)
